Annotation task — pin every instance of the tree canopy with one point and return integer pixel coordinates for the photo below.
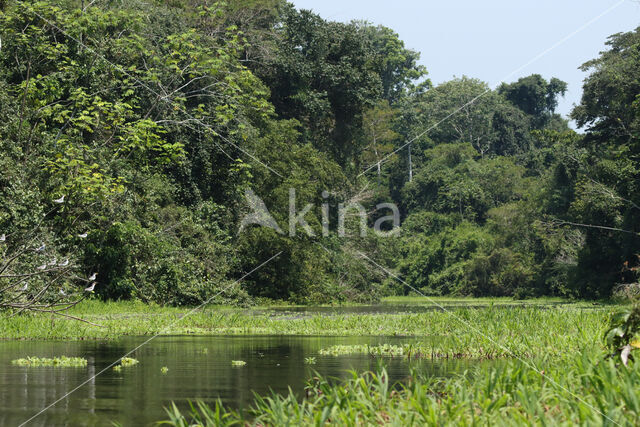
(154, 123)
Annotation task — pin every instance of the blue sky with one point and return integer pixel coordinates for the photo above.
(493, 39)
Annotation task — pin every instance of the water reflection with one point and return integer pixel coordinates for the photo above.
(199, 368)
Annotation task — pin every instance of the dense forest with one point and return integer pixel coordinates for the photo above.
(131, 133)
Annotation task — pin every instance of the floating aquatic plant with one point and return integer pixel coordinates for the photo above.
(61, 362)
(310, 360)
(378, 350)
(128, 361)
(164, 370)
(408, 350)
(238, 363)
(125, 362)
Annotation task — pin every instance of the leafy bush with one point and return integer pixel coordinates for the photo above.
(436, 264)
(500, 273)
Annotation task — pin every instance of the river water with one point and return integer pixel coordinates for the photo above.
(200, 368)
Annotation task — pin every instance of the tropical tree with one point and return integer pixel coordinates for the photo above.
(535, 96)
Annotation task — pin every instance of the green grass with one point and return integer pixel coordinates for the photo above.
(550, 335)
(448, 301)
(59, 362)
(580, 389)
(459, 332)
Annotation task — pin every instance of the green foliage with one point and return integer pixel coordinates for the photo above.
(378, 134)
(168, 268)
(535, 96)
(501, 272)
(372, 350)
(155, 133)
(59, 362)
(502, 328)
(436, 264)
(128, 361)
(451, 181)
(203, 415)
(326, 74)
(396, 65)
(559, 207)
(580, 388)
(623, 335)
(606, 185)
(467, 110)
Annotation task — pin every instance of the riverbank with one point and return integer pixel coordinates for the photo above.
(491, 329)
(459, 361)
(583, 388)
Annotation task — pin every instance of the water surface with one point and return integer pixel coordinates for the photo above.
(199, 368)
